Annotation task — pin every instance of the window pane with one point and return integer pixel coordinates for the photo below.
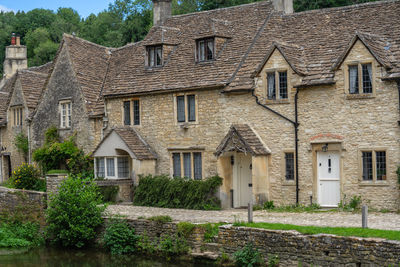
(271, 85)
(100, 167)
(123, 167)
(136, 112)
(210, 49)
(69, 114)
(380, 165)
(158, 56)
(15, 117)
(20, 116)
(201, 51)
(63, 115)
(151, 56)
(127, 113)
(197, 166)
(110, 167)
(353, 79)
(367, 165)
(176, 158)
(283, 93)
(367, 78)
(191, 107)
(289, 162)
(187, 165)
(180, 104)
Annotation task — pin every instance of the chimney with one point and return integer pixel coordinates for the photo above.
(161, 11)
(16, 57)
(285, 6)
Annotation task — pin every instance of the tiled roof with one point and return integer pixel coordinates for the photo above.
(324, 37)
(242, 138)
(236, 25)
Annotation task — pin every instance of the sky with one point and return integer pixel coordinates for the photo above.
(84, 7)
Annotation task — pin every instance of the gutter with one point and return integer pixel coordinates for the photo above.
(296, 129)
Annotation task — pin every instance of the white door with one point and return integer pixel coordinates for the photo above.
(242, 179)
(328, 178)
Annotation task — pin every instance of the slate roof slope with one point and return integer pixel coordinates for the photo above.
(238, 25)
(90, 63)
(4, 96)
(248, 141)
(325, 35)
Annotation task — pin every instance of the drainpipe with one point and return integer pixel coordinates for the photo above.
(296, 128)
(398, 87)
(29, 142)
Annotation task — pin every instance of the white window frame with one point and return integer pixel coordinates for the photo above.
(65, 120)
(115, 158)
(182, 152)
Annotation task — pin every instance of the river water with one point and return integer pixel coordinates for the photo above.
(46, 257)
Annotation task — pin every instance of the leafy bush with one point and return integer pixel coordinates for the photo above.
(109, 193)
(248, 256)
(166, 192)
(16, 235)
(27, 177)
(354, 203)
(160, 218)
(172, 246)
(211, 231)
(74, 213)
(269, 205)
(119, 238)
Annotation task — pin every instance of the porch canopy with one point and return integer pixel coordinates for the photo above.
(242, 138)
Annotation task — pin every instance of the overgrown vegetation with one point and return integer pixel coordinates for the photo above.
(248, 256)
(339, 231)
(185, 229)
(162, 191)
(17, 235)
(119, 238)
(56, 154)
(74, 213)
(160, 218)
(26, 177)
(398, 175)
(109, 193)
(124, 21)
(354, 204)
(165, 246)
(21, 142)
(211, 231)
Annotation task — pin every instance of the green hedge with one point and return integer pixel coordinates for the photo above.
(166, 192)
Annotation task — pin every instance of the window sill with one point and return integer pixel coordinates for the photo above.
(360, 96)
(63, 129)
(277, 101)
(374, 183)
(186, 125)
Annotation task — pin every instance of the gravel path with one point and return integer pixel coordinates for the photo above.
(389, 221)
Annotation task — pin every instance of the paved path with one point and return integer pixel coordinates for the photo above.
(390, 221)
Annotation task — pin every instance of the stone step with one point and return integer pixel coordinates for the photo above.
(205, 255)
(212, 247)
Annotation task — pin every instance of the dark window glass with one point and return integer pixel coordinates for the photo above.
(187, 165)
(180, 104)
(154, 56)
(367, 165)
(20, 116)
(176, 158)
(197, 166)
(353, 79)
(289, 163)
(380, 165)
(127, 112)
(271, 85)
(283, 92)
(136, 112)
(205, 49)
(123, 167)
(191, 107)
(367, 78)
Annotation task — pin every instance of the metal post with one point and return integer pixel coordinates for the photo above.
(364, 216)
(250, 206)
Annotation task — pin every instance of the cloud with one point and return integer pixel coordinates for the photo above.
(5, 9)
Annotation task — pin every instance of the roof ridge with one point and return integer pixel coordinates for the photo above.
(126, 46)
(86, 41)
(31, 71)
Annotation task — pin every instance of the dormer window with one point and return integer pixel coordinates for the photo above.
(154, 56)
(360, 78)
(277, 85)
(205, 49)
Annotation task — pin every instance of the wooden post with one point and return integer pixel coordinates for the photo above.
(250, 206)
(364, 212)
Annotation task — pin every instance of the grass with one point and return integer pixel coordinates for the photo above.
(57, 172)
(160, 219)
(339, 231)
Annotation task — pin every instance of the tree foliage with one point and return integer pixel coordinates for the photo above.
(124, 21)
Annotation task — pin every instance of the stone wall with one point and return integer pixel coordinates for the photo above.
(124, 188)
(53, 182)
(26, 204)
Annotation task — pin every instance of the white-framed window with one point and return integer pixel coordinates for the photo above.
(186, 108)
(205, 49)
(112, 167)
(277, 84)
(131, 113)
(17, 115)
(373, 164)
(187, 164)
(65, 114)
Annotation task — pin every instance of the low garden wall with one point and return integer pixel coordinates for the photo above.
(23, 203)
(124, 188)
(291, 247)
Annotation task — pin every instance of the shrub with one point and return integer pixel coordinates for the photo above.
(160, 218)
(211, 231)
(16, 235)
(354, 203)
(166, 192)
(109, 193)
(172, 246)
(119, 238)
(27, 177)
(74, 213)
(248, 256)
(269, 205)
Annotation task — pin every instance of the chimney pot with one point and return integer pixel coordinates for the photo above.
(285, 6)
(13, 39)
(18, 40)
(161, 11)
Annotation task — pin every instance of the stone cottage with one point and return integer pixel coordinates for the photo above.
(290, 107)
